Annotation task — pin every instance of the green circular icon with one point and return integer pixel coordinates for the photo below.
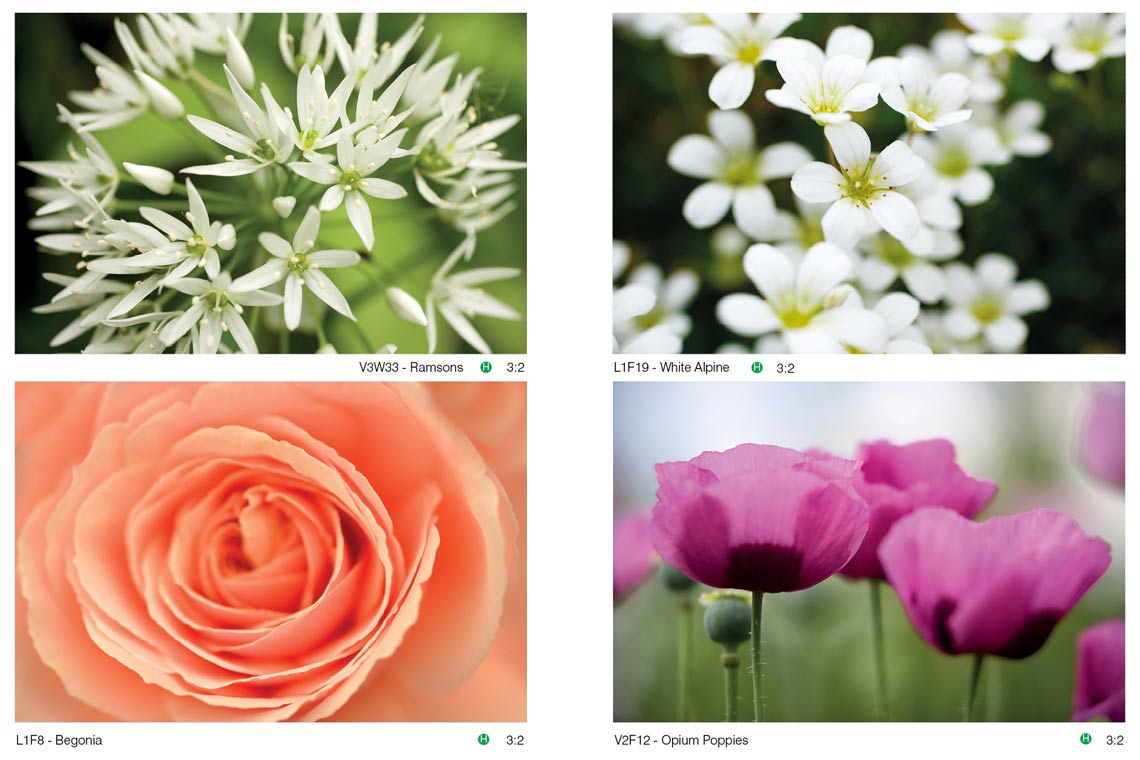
(1086, 738)
(485, 366)
(483, 738)
(757, 367)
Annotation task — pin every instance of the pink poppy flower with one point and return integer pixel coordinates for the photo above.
(633, 553)
(896, 480)
(1102, 439)
(759, 518)
(1099, 691)
(997, 587)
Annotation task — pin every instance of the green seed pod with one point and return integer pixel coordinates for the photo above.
(674, 579)
(728, 620)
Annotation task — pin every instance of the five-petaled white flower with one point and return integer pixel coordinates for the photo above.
(458, 298)
(1030, 35)
(268, 139)
(987, 303)
(863, 186)
(351, 176)
(808, 304)
(659, 328)
(898, 311)
(888, 259)
(1017, 131)
(1088, 38)
(735, 170)
(737, 42)
(949, 53)
(927, 101)
(300, 265)
(955, 157)
(827, 89)
(216, 308)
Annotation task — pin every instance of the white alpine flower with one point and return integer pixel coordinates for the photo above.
(1087, 39)
(351, 176)
(738, 43)
(458, 297)
(898, 311)
(268, 138)
(671, 296)
(863, 187)
(955, 157)
(949, 53)
(887, 259)
(736, 172)
(827, 89)
(987, 303)
(926, 100)
(1017, 131)
(1030, 35)
(808, 304)
(299, 265)
(216, 308)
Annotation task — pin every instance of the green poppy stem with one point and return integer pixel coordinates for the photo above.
(757, 693)
(972, 692)
(879, 648)
(730, 659)
(684, 646)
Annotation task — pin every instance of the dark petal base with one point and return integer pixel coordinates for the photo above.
(767, 568)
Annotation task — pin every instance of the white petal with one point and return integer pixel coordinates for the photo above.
(732, 85)
(842, 72)
(169, 224)
(264, 275)
(382, 188)
(707, 204)
(850, 40)
(275, 244)
(696, 156)
(746, 314)
(823, 268)
(753, 208)
(898, 311)
(325, 174)
(782, 160)
(861, 97)
(785, 98)
(961, 324)
(323, 288)
(997, 272)
(975, 186)
(1006, 333)
(658, 339)
(224, 136)
(463, 327)
(734, 130)
(925, 281)
(176, 329)
(333, 258)
(1033, 48)
(850, 143)
(305, 236)
(898, 165)
(817, 182)
(877, 275)
(632, 301)
(1027, 296)
(896, 214)
(361, 217)
(845, 222)
(1070, 60)
(332, 198)
(239, 331)
(801, 78)
(770, 270)
(227, 168)
(294, 297)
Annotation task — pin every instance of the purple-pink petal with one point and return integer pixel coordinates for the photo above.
(755, 519)
(1099, 690)
(633, 553)
(896, 480)
(998, 587)
(1102, 439)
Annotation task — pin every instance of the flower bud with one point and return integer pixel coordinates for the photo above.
(387, 348)
(238, 61)
(227, 238)
(404, 306)
(155, 179)
(728, 617)
(283, 205)
(166, 103)
(674, 579)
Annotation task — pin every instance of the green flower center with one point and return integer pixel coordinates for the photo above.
(309, 139)
(350, 181)
(749, 52)
(264, 150)
(1091, 39)
(861, 185)
(1009, 30)
(742, 172)
(986, 309)
(298, 263)
(196, 246)
(793, 317)
(895, 253)
(952, 162)
(431, 160)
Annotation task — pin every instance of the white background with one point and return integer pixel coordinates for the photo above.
(569, 372)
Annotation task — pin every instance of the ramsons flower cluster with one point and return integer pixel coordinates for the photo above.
(227, 255)
(866, 260)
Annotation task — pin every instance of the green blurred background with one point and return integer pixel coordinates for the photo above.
(1060, 216)
(817, 642)
(411, 243)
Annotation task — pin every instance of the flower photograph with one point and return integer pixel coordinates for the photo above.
(869, 552)
(868, 183)
(270, 552)
(276, 183)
